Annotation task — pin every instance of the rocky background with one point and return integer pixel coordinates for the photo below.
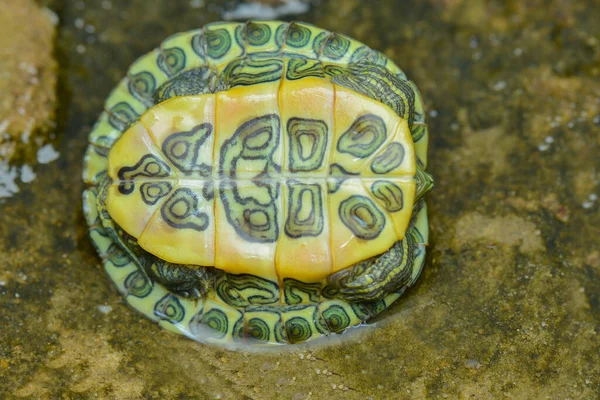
(508, 305)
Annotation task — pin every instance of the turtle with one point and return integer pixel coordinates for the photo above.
(260, 182)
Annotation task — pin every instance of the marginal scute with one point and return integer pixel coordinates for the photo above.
(298, 36)
(362, 128)
(307, 143)
(182, 227)
(363, 137)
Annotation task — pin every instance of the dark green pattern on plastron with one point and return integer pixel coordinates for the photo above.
(252, 71)
(364, 136)
(332, 70)
(171, 61)
(361, 311)
(183, 150)
(307, 142)
(255, 140)
(297, 292)
(152, 192)
(390, 194)
(339, 175)
(389, 159)
(169, 307)
(298, 68)
(388, 272)
(305, 210)
(362, 217)
(380, 84)
(180, 211)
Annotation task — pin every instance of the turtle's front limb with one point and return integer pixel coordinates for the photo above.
(372, 279)
(183, 280)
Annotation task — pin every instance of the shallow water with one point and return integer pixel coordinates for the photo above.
(509, 301)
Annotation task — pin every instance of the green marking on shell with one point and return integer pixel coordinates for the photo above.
(180, 211)
(347, 63)
(257, 34)
(305, 210)
(298, 36)
(169, 307)
(218, 42)
(307, 140)
(297, 292)
(142, 86)
(297, 329)
(217, 321)
(298, 68)
(241, 290)
(364, 136)
(390, 194)
(258, 329)
(138, 285)
(336, 317)
(335, 46)
(252, 71)
(252, 220)
(152, 192)
(190, 82)
(117, 255)
(172, 61)
(362, 217)
(183, 149)
(389, 159)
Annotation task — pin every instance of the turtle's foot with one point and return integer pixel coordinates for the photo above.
(372, 279)
(182, 280)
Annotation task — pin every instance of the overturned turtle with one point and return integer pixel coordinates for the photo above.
(260, 181)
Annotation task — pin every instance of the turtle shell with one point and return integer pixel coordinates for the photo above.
(277, 153)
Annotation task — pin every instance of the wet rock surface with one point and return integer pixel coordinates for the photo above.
(28, 74)
(509, 302)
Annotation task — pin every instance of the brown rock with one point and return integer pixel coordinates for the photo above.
(27, 75)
